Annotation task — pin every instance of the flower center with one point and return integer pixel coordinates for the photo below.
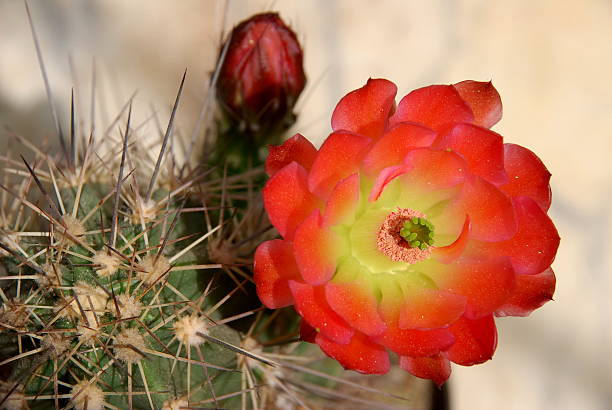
(418, 232)
(405, 236)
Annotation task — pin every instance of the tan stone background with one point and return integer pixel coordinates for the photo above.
(551, 60)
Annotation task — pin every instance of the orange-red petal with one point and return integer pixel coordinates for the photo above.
(366, 110)
(435, 368)
(274, 266)
(395, 144)
(425, 169)
(483, 99)
(407, 342)
(356, 303)
(429, 309)
(491, 213)
(482, 149)
(287, 199)
(339, 156)
(435, 106)
(311, 304)
(295, 149)
(435, 169)
(475, 342)
(527, 175)
(384, 178)
(531, 292)
(343, 202)
(314, 248)
(360, 354)
(486, 284)
(535, 244)
(450, 253)
(414, 342)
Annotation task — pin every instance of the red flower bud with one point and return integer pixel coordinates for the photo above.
(261, 77)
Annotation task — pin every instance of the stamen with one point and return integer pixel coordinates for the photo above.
(394, 245)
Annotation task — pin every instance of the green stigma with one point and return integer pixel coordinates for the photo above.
(418, 232)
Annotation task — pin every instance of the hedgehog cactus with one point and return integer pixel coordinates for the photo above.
(105, 295)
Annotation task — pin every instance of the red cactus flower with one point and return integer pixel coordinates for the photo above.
(409, 230)
(262, 75)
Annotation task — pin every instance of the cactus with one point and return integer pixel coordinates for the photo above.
(105, 295)
(126, 281)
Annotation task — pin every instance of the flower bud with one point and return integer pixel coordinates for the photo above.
(261, 78)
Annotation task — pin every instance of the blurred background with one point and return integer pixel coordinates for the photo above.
(550, 60)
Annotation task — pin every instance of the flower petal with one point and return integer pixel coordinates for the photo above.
(384, 178)
(436, 169)
(274, 266)
(296, 148)
(366, 110)
(363, 243)
(483, 99)
(429, 309)
(408, 342)
(315, 250)
(424, 170)
(415, 342)
(491, 213)
(435, 368)
(450, 253)
(310, 303)
(339, 156)
(535, 244)
(483, 150)
(435, 106)
(343, 202)
(353, 296)
(360, 354)
(531, 292)
(395, 144)
(287, 199)
(486, 284)
(527, 175)
(356, 304)
(476, 340)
